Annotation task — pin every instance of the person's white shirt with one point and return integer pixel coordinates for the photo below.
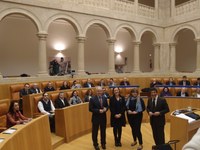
(194, 143)
(41, 107)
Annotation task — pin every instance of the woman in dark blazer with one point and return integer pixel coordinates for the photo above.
(117, 108)
(135, 107)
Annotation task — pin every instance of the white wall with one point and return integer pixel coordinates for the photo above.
(186, 51)
(18, 47)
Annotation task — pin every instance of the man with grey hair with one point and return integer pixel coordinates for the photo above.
(98, 105)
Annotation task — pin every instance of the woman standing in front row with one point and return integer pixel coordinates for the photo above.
(117, 108)
(135, 107)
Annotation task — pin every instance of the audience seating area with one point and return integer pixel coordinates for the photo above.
(142, 82)
(14, 89)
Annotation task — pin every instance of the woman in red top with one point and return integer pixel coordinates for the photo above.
(14, 116)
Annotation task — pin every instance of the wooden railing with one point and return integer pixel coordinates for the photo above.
(34, 135)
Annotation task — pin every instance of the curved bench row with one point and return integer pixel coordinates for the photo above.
(143, 82)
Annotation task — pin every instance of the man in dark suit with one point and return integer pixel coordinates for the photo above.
(154, 83)
(125, 82)
(182, 93)
(35, 89)
(98, 105)
(184, 81)
(157, 107)
(49, 87)
(88, 84)
(170, 82)
(25, 91)
(197, 83)
(61, 102)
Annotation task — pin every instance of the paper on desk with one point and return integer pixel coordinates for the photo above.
(1, 140)
(9, 131)
(185, 117)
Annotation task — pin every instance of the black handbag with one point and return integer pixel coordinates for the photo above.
(166, 146)
(162, 147)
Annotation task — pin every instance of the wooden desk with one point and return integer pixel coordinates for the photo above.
(34, 135)
(74, 121)
(182, 130)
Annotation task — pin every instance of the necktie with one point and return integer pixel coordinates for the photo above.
(154, 105)
(101, 102)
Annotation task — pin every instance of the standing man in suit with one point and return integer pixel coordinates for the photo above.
(61, 102)
(98, 105)
(157, 107)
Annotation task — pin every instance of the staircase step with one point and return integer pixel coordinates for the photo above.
(56, 140)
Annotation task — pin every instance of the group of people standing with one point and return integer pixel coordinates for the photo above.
(134, 105)
(59, 68)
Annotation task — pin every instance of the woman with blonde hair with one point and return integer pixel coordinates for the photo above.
(135, 107)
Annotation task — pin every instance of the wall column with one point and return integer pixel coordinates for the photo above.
(198, 56)
(173, 8)
(156, 57)
(42, 54)
(156, 9)
(81, 62)
(136, 57)
(111, 56)
(1, 77)
(136, 6)
(172, 66)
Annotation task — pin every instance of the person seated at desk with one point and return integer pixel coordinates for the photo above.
(170, 82)
(184, 81)
(61, 101)
(182, 93)
(75, 85)
(88, 95)
(23, 92)
(165, 92)
(35, 89)
(194, 143)
(105, 93)
(49, 87)
(102, 83)
(125, 82)
(75, 99)
(45, 106)
(65, 86)
(26, 90)
(197, 83)
(196, 93)
(154, 83)
(14, 115)
(111, 82)
(88, 84)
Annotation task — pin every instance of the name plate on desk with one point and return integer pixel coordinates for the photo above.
(9, 131)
